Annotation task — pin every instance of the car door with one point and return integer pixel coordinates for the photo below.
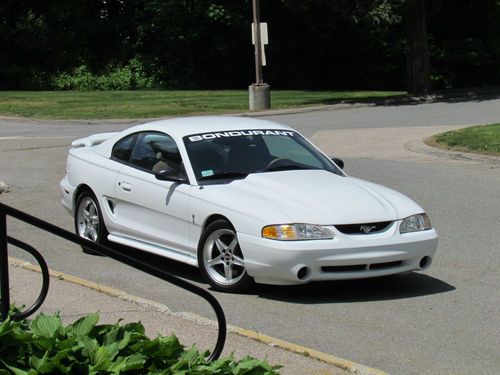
(147, 209)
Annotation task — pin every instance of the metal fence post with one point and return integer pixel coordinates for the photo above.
(4, 268)
(100, 249)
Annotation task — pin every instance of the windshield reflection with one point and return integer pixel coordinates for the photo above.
(229, 155)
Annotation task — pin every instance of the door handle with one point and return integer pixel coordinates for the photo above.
(125, 186)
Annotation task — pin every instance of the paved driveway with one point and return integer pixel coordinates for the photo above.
(443, 321)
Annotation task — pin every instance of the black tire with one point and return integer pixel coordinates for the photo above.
(219, 243)
(90, 225)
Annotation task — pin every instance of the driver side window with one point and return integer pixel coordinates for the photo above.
(151, 152)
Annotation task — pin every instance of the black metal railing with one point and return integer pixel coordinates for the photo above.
(103, 250)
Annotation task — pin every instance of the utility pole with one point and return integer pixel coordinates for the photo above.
(259, 92)
(258, 42)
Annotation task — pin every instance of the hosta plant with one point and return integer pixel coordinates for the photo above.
(45, 346)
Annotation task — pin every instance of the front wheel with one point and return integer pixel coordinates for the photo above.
(220, 258)
(88, 220)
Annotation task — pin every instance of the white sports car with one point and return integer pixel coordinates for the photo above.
(242, 199)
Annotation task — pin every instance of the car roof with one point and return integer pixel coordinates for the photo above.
(180, 127)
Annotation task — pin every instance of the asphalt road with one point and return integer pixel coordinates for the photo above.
(445, 320)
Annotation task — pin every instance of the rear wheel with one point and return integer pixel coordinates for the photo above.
(88, 220)
(220, 258)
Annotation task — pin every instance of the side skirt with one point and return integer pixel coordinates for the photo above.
(154, 249)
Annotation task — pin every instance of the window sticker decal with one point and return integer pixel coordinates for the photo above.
(207, 173)
(238, 133)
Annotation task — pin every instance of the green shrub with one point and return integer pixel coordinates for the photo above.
(128, 77)
(80, 79)
(45, 346)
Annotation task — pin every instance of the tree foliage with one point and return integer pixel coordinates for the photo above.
(320, 44)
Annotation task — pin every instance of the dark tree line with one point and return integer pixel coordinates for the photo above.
(314, 44)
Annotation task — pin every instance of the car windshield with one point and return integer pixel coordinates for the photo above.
(228, 155)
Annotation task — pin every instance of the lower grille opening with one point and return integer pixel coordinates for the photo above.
(380, 266)
(362, 267)
(359, 267)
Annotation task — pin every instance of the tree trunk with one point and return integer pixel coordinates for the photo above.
(417, 58)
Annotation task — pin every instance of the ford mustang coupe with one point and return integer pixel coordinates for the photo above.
(242, 199)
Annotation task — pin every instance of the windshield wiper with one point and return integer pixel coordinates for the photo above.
(224, 175)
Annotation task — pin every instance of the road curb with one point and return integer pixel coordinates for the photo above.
(346, 365)
(419, 146)
(341, 363)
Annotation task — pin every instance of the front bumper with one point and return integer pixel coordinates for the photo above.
(67, 192)
(344, 257)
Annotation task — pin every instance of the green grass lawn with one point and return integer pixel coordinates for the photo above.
(152, 103)
(480, 139)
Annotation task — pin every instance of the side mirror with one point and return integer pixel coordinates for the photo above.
(339, 162)
(170, 174)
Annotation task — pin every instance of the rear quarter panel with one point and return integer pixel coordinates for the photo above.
(86, 167)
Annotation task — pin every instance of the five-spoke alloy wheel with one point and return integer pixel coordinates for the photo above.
(220, 258)
(88, 220)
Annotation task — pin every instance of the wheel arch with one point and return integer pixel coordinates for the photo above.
(79, 190)
(214, 217)
(209, 220)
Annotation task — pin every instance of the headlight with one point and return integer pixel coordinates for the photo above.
(294, 232)
(415, 223)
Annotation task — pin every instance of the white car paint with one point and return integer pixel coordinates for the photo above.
(168, 218)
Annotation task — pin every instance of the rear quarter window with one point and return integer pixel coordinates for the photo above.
(123, 148)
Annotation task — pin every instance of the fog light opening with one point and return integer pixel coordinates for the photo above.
(303, 273)
(425, 262)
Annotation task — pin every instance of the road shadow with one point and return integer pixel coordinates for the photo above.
(176, 268)
(394, 287)
(375, 289)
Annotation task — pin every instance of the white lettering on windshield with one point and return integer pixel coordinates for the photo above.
(206, 136)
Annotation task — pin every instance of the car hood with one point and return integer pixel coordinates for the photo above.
(315, 196)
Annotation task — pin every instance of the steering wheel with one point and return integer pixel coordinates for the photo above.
(273, 163)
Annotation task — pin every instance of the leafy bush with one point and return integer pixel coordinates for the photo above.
(128, 77)
(80, 79)
(45, 346)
